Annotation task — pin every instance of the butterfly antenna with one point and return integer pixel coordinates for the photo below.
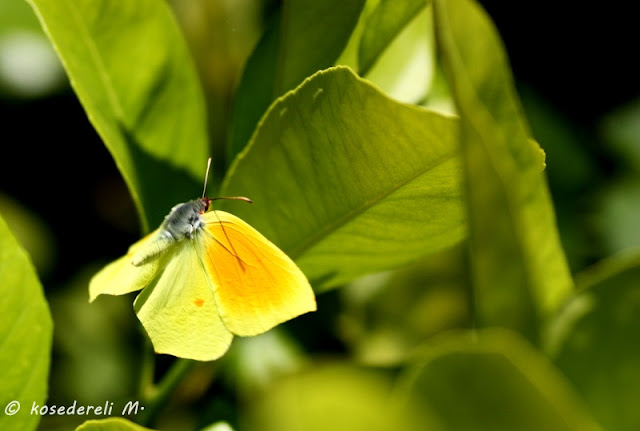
(206, 177)
(234, 198)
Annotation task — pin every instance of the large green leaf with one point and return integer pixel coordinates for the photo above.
(384, 23)
(111, 424)
(347, 181)
(303, 38)
(596, 341)
(520, 273)
(25, 336)
(131, 70)
(492, 380)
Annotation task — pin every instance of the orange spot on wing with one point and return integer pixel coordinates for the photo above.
(199, 302)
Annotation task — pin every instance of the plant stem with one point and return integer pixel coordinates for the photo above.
(147, 369)
(161, 393)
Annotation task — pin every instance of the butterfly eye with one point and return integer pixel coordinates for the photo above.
(206, 203)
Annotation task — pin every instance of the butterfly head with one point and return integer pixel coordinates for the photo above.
(205, 203)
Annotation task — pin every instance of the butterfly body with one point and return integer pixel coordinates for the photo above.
(183, 221)
(205, 277)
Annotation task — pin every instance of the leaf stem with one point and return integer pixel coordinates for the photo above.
(147, 369)
(159, 396)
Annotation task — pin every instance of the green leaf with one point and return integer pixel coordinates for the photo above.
(25, 336)
(347, 181)
(111, 424)
(491, 380)
(334, 397)
(131, 70)
(386, 21)
(406, 69)
(297, 43)
(520, 274)
(596, 344)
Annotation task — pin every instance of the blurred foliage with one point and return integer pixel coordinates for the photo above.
(595, 342)
(29, 67)
(113, 424)
(508, 385)
(620, 206)
(31, 232)
(25, 331)
(385, 317)
(399, 349)
(329, 396)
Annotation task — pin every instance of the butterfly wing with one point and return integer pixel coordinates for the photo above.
(121, 276)
(256, 285)
(178, 310)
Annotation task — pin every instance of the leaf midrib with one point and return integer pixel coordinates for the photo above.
(335, 225)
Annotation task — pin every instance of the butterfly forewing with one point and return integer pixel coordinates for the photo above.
(121, 276)
(256, 285)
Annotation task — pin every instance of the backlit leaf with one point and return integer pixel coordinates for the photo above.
(131, 70)
(347, 181)
(302, 38)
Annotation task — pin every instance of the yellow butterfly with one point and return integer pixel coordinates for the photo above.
(206, 276)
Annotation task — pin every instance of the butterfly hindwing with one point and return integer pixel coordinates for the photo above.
(178, 310)
(256, 285)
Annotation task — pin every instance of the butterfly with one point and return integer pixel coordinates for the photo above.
(205, 277)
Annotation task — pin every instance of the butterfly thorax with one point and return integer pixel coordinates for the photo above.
(184, 221)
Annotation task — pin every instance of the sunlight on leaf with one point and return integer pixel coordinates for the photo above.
(347, 181)
(384, 23)
(405, 70)
(25, 336)
(491, 380)
(131, 70)
(520, 274)
(218, 426)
